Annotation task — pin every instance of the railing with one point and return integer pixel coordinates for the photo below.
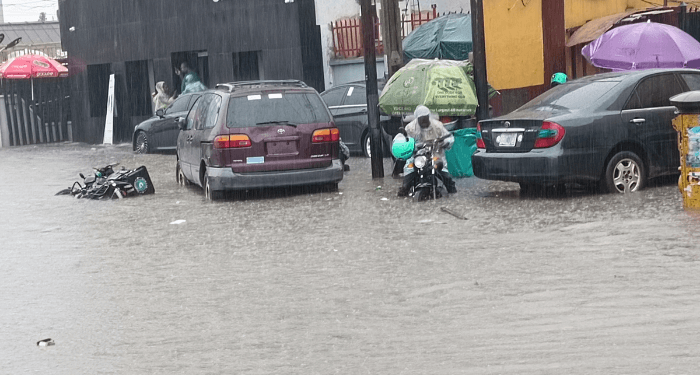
(347, 33)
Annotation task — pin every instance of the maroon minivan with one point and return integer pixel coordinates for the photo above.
(259, 134)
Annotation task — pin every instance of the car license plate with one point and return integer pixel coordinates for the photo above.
(507, 139)
(255, 160)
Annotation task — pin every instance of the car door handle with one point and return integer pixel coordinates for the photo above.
(638, 120)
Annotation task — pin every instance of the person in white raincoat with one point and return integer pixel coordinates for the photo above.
(424, 128)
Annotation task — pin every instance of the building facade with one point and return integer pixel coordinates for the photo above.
(141, 42)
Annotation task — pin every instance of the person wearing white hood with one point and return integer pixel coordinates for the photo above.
(422, 129)
(161, 98)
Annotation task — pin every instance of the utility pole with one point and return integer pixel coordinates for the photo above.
(369, 14)
(479, 48)
(391, 35)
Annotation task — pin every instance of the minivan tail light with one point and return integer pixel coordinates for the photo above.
(326, 135)
(550, 134)
(479, 141)
(232, 141)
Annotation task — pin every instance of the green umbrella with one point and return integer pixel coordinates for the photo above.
(445, 37)
(444, 86)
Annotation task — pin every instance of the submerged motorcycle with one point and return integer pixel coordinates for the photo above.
(106, 183)
(428, 182)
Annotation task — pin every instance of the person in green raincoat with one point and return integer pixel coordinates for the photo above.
(190, 79)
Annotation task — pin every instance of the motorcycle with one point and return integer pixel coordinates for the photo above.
(428, 182)
(106, 183)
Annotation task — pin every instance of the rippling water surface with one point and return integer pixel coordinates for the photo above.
(312, 282)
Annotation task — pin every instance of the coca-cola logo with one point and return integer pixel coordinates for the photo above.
(41, 64)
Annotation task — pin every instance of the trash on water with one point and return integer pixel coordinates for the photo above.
(178, 222)
(384, 199)
(455, 214)
(45, 342)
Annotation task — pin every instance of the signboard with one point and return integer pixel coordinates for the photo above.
(109, 121)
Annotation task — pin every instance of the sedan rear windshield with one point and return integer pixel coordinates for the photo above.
(270, 108)
(571, 95)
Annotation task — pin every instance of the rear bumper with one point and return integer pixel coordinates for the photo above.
(542, 166)
(226, 179)
(536, 167)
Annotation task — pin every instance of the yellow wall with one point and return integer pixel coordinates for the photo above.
(514, 51)
(579, 12)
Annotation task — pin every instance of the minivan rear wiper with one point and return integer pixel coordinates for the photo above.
(277, 123)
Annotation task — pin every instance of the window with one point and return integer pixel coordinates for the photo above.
(356, 96)
(194, 114)
(212, 112)
(264, 109)
(334, 97)
(572, 95)
(179, 105)
(693, 81)
(98, 86)
(137, 87)
(246, 66)
(655, 91)
(202, 111)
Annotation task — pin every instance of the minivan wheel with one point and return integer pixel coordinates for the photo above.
(142, 143)
(624, 173)
(180, 176)
(210, 194)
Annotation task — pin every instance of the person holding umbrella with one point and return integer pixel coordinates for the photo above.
(425, 128)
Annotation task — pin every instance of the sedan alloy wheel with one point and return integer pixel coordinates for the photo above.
(624, 173)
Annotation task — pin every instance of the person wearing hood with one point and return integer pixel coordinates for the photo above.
(422, 129)
(190, 79)
(162, 97)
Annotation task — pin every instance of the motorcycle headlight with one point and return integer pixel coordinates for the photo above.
(419, 161)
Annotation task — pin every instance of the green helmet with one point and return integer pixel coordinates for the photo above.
(402, 147)
(558, 79)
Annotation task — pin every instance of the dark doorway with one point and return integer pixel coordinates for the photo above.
(197, 61)
(98, 85)
(246, 66)
(138, 88)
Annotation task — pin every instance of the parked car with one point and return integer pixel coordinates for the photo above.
(159, 133)
(611, 129)
(260, 134)
(348, 105)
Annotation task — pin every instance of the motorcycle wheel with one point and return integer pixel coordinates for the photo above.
(422, 194)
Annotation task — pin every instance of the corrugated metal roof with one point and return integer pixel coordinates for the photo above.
(32, 33)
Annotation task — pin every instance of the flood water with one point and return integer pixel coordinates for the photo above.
(313, 282)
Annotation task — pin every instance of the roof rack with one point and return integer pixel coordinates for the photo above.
(232, 86)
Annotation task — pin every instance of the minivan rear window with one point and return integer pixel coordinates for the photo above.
(276, 107)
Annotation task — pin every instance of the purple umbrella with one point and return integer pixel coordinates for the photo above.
(644, 46)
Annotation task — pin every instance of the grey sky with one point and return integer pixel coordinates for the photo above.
(28, 10)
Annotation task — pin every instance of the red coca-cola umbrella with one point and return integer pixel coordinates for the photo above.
(32, 66)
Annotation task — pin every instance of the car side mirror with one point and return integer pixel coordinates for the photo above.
(160, 113)
(181, 123)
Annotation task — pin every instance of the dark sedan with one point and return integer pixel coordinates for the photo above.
(611, 129)
(159, 133)
(348, 105)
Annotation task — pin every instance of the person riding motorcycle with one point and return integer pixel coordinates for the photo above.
(423, 129)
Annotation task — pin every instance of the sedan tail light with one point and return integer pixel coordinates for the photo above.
(550, 134)
(232, 141)
(326, 135)
(479, 141)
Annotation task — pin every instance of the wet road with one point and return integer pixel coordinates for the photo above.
(313, 282)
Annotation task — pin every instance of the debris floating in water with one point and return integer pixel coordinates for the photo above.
(458, 216)
(178, 222)
(45, 342)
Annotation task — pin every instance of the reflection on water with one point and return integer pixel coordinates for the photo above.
(306, 281)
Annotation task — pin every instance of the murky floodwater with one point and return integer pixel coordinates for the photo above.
(325, 283)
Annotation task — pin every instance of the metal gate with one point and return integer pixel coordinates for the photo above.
(36, 113)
